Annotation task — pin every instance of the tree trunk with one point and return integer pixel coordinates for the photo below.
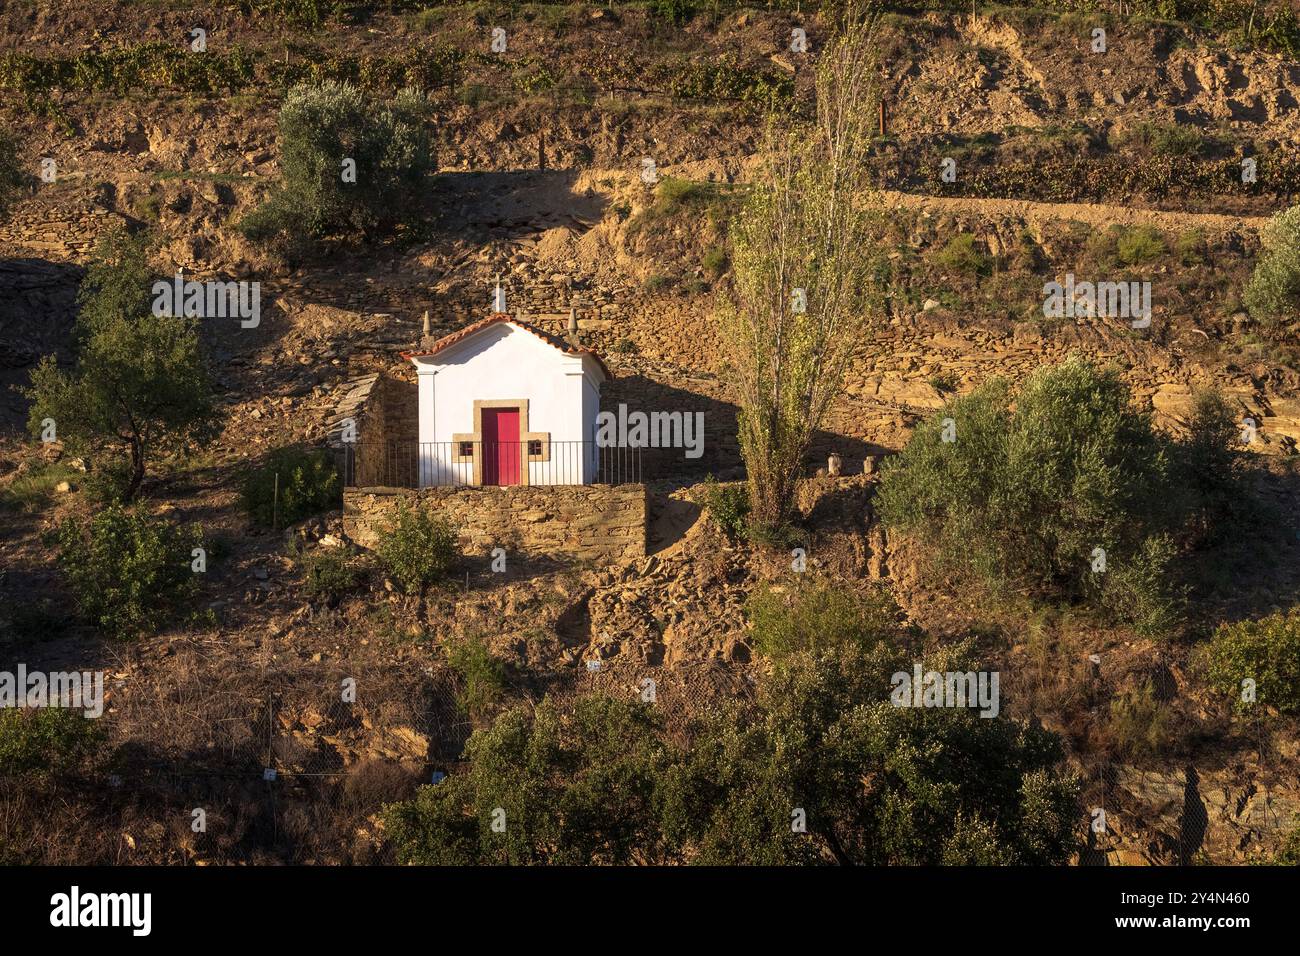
(137, 471)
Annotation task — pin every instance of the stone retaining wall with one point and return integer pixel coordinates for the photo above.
(601, 524)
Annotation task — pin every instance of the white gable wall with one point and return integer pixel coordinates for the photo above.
(506, 363)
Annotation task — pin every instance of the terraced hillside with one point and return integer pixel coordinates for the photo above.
(1124, 165)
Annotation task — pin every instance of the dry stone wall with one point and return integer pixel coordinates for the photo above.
(599, 524)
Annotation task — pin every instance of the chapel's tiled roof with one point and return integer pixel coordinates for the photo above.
(447, 341)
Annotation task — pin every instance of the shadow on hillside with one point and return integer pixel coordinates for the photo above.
(720, 451)
(461, 209)
(1254, 568)
(38, 308)
(38, 301)
(514, 203)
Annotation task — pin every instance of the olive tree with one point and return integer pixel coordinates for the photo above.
(139, 382)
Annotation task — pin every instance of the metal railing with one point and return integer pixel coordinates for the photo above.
(397, 464)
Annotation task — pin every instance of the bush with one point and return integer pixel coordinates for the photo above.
(483, 677)
(1167, 139)
(676, 12)
(1273, 293)
(1190, 247)
(673, 198)
(963, 254)
(1024, 497)
(576, 786)
(1210, 465)
(320, 126)
(1139, 244)
(44, 739)
(108, 481)
(820, 618)
(130, 572)
(945, 381)
(1288, 853)
(294, 483)
(32, 490)
(1140, 724)
(12, 178)
(330, 574)
(714, 261)
(417, 549)
(728, 506)
(310, 13)
(1267, 651)
(1143, 590)
(599, 781)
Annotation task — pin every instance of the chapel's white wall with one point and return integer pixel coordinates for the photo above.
(505, 363)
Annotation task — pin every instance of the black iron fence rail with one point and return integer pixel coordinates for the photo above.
(398, 464)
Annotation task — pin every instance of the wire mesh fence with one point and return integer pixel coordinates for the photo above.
(287, 764)
(284, 759)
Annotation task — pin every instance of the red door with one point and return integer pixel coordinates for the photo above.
(501, 449)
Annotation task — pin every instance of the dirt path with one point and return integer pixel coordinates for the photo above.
(1094, 214)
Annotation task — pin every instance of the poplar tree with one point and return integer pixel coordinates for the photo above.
(801, 253)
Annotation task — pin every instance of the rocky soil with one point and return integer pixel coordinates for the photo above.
(583, 232)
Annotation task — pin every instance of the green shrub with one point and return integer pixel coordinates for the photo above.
(1025, 497)
(577, 786)
(1140, 725)
(1143, 589)
(417, 549)
(599, 781)
(311, 13)
(294, 483)
(320, 126)
(673, 197)
(721, 78)
(820, 618)
(714, 261)
(130, 572)
(482, 676)
(945, 381)
(1288, 853)
(1139, 244)
(330, 573)
(1190, 247)
(1210, 465)
(32, 491)
(12, 177)
(962, 253)
(1266, 651)
(1273, 293)
(676, 12)
(658, 282)
(728, 506)
(108, 481)
(44, 739)
(1168, 139)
